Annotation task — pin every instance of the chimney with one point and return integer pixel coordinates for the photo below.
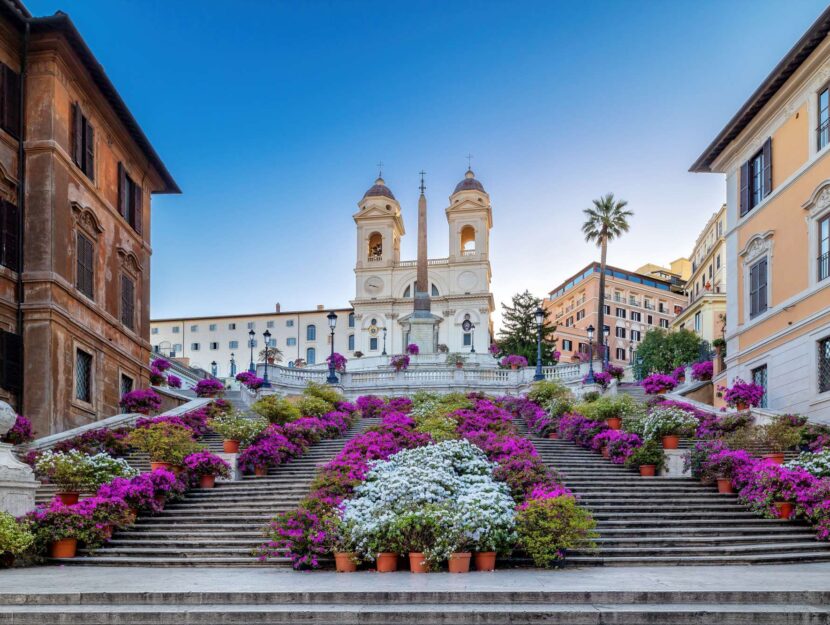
(320, 307)
(278, 307)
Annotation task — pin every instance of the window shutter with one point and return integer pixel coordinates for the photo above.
(89, 149)
(138, 208)
(77, 134)
(11, 361)
(122, 190)
(768, 166)
(744, 187)
(762, 285)
(8, 230)
(11, 102)
(127, 302)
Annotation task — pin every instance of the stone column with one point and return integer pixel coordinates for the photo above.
(17, 481)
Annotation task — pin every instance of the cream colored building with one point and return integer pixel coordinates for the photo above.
(705, 313)
(775, 156)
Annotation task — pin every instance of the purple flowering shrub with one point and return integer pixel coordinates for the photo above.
(370, 406)
(205, 463)
(103, 440)
(174, 381)
(249, 380)
(338, 361)
(616, 372)
(513, 360)
(658, 382)
(21, 432)
(412, 349)
(399, 363)
(142, 401)
(161, 364)
(703, 371)
(742, 392)
(603, 378)
(209, 387)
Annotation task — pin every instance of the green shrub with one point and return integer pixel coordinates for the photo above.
(276, 409)
(235, 427)
(325, 392)
(548, 528)
(590, 396)
(164, 442)
(649, 453)
(775, 437)
(15, 537)
(314, 406)
(606, 407)
(440, 428)
(558, 407)
(547, 390)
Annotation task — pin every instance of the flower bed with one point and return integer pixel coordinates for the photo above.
(513, 361)
(209, 387)
(743, 394)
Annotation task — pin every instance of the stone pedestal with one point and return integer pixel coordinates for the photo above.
(17, 480)
(422, 332)
(675, 461)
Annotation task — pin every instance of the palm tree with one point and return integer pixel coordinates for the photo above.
(605, 221)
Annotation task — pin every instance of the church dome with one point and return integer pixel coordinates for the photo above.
(469, 183)
(379, 189)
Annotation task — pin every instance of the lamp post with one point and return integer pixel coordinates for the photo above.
(606, 331)
(213, 369)
(233, 366)
(540, 320)
(267, 336)
(332, 317)
(590, 330)
(252, 366)
(472, 338)
(383, 353)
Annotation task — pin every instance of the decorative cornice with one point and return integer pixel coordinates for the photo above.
(129, 261)
(757, 245)
(819, 199)
(86, 219)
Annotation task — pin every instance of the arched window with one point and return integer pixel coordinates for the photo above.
(351, 320)
(311, 333)
(408, 291)
(434, 291)
(375, 246)
(468, 240)
(351, 342)
(311, 356)
(412, 288)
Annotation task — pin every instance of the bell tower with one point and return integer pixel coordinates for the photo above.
(379, 228)
(470, 218)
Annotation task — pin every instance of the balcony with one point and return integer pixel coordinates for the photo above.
(823, 266)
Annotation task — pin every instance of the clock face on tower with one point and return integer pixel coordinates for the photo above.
(373, 285)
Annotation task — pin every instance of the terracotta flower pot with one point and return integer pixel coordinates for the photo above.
(615, 423)
(418, 562)
(554, 436)
(725, 486)
(648, 470)
(459, 562)
(458, 365)
(672, 441)
(207, 481)
(68, 498)
(344, 562)
(160, 465)
(485, 560)
(605, 453)
(64, 548)
(777, 458)
(742, 405)
(514, 366)
(260, 471)
(230, 447)
(662, 391)
(785, 509)
(387, 562)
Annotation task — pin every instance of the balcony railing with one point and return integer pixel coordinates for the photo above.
(823, 266)
(823, 134)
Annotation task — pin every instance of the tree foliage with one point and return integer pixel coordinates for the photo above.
(661, 351)
(518, 334)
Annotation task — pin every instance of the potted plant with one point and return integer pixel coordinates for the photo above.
(412, 349)
(209, 387)
(602, 378)
(703, 371)
(742, 395)
(339, 544)
(649, 458)
(59, 528)
(206, 467)
(456, 359)
(142, 401)
(167, 444)
(777, 438)
(235, 429)
(616, 372)
(15, 538)
(679, 374)
(514, 361)
(415, 533)
(21, 432)
(722, 465)
(669, 423)
(549, 527)
(73, 471)
(400, 362)
(338, 360)
(658, 383)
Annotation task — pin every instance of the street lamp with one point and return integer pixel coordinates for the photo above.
(540, 320)
(233, 366)
(383, 353)
(590, 330)
(332, 379)
(267, 336)
(606, 331)
(213, 369)
(252, 366)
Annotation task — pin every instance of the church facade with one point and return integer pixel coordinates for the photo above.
(441, 304)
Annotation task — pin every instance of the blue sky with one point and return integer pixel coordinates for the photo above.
(272, 115)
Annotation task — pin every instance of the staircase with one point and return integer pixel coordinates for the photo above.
(660, 521)
(220, 526)
(634, 390)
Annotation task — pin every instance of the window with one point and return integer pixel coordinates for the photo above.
(289, 323)
(177, 348)
(214, 345)
(823, 130)
(351, 320)
(580, 314)
(756, 179)
(650, 320)
(758, 288)
(176, 329)
(233, 344)
(83, 376)
(8, 234)
(311, 356)
(126, 384)
(636, 316)
(214, 369)
(212, 327)
(607, 309)
(621, 313)
(10, 101)
(271, 342)
(434, 291)
(85, 272)
(194, 328)
(620, 333)
(759, 377)
(127, 302)
(635, 335)
(621, 353)
(269, 324)
(251, 325)
(717, 261)
(664, 323)
(824, 365)
(583, 348)
(232, 370)
(130, 200)
(569, 322)
(697, 321)
(194, 347)
(468, 339)
(231, 326)
(291, 341)
(83, 142)
(567, 345)
(311, 333)
(154, 331)
(373, 344)
(824, 248)
(351, 342)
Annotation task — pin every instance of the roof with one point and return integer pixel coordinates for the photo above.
(469, 183)
(764, 93)
(61, 23)
(379, 189)
(610, 271)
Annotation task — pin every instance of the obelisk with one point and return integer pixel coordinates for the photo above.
(423, 325)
